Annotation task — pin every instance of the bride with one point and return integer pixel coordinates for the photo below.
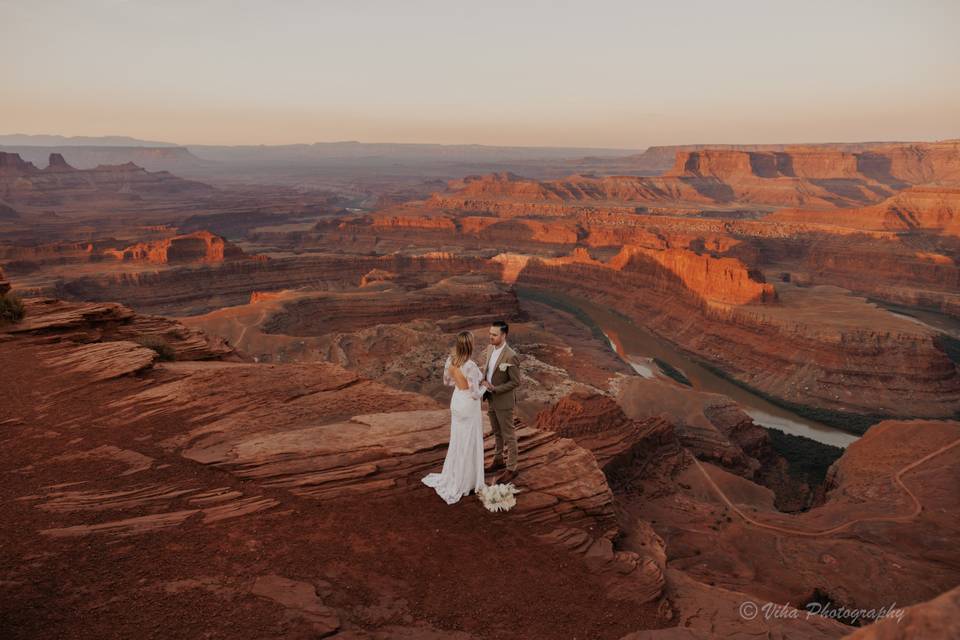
(463, 467)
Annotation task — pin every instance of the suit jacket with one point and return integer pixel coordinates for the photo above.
(505, 382)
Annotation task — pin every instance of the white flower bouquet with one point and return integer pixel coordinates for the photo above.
(498, 497)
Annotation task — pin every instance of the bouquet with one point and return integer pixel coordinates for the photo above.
(498, 497)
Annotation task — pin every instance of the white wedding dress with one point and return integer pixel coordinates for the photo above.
(463, 467)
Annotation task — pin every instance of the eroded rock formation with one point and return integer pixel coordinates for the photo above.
(200, 246)
(23, 183)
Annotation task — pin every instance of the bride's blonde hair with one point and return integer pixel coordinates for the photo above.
(462, 351)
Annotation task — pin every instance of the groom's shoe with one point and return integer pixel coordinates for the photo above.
(507, 476)
(496, 465)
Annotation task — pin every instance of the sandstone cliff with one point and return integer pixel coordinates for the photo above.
(24, 184)
(662, 158)
(702, 278)
(923, 208)
(459, 300)
(707, 178)
(200, 246)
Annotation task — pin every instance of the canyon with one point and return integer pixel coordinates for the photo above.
(740, 383)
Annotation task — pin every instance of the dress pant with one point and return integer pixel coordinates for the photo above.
(501, 421)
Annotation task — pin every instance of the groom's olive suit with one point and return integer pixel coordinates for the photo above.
(501, 401)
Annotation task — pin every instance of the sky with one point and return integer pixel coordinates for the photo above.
(623, 74)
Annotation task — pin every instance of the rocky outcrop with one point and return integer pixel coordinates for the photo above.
(709, 178)
(569, 227)
(710, 426)
(917, 163)
(22, 183)
(399, 228)
(936, 618)
(721, 281)
(58, 164)
(459, 300)
(88, 157)
(662, 158)
(95, 323)
(897, 165)
(189, 290)
(597, 423)
(510, 195)
(200, 246)
(11, 164)
(711, 281)
(4, 284)
(706, 612)
(47, 252)
(733, 165)
(926, 208)
(373, 277)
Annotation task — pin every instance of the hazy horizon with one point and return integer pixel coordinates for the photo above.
(614, 75)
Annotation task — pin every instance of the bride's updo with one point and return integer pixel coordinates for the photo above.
(462, 351)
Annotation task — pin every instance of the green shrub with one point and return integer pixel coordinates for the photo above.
(809, 460)
(164, 350)
(11, 309)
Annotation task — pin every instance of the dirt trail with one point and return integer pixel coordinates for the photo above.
(897, 478)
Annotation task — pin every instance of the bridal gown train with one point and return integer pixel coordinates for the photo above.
(463, 467)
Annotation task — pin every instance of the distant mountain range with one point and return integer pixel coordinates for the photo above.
(18, 139)
(320, 162)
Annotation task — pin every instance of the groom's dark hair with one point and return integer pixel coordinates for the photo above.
(503, 326)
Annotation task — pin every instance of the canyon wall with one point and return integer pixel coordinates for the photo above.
(470, 296)
(201, 246)
(784, 352)
(898, 165)
(195, 290)
(701, 279)
(934, 208)
(706, 178)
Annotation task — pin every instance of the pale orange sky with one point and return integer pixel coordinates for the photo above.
(614, 74)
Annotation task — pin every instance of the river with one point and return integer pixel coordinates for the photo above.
(639, 347)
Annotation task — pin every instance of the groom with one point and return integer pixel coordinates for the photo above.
(502, 377)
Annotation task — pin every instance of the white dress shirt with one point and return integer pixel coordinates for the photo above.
(492, 366)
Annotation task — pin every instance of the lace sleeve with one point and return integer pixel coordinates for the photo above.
(447, 378)
(474, 376)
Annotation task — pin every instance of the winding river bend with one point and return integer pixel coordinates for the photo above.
(641, 349)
